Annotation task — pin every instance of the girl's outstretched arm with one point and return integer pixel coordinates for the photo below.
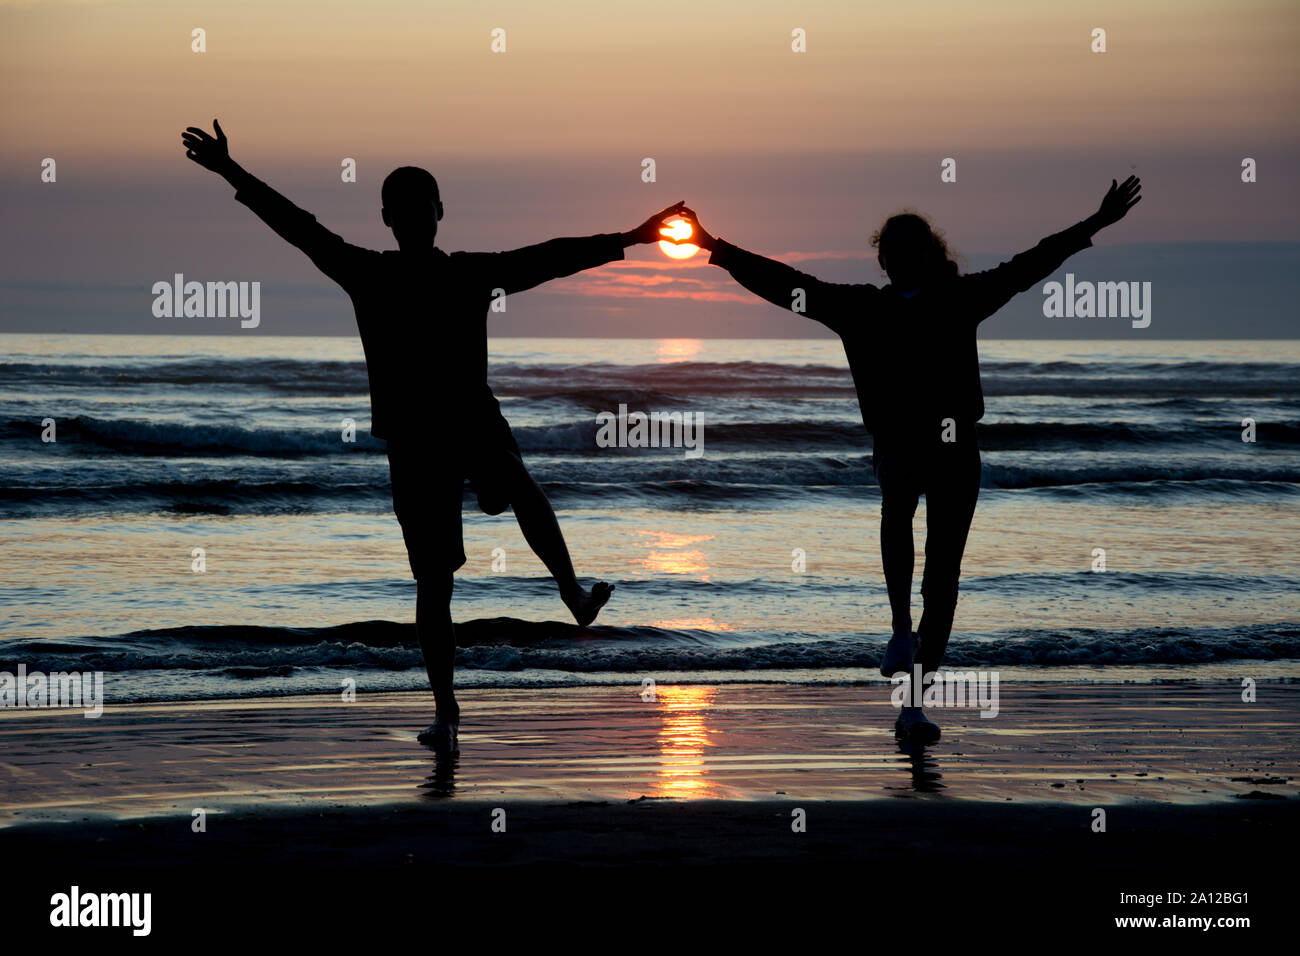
(830, 303)
(986, 292)
(1119, 199)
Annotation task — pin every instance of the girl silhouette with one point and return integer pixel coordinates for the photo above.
(911, 350)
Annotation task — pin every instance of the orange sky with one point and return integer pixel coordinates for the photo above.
(793, 154)
(320, 77)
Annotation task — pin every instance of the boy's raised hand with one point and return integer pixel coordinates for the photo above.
(209, 152)
(648, 231)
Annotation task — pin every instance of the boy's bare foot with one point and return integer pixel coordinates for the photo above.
(587, 604)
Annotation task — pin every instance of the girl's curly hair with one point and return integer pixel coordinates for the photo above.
(910, 245)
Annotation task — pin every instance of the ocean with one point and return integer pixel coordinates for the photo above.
(756, 561)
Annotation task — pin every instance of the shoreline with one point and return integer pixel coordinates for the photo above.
(308, 680)
(1072, 744)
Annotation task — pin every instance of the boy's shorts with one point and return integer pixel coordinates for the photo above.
(428, 478)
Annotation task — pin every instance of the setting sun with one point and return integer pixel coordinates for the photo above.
(677, 229)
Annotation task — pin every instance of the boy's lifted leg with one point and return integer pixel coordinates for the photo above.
(537, 521)
(506, 482)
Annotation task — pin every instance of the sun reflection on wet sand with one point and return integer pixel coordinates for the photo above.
(682, 739)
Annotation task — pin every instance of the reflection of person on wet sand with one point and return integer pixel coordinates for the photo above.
(911, 349)
(422, 316)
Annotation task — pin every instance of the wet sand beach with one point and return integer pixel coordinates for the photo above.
(1078, 745)
(784, 785)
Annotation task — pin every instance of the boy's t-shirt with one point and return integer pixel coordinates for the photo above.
(422, 316)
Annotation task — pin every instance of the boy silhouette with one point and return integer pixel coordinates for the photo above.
(422, 317)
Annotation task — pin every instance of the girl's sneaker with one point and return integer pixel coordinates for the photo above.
(442, 735)
(915, 726)
(899, 654)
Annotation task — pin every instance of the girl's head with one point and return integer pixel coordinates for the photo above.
(912, 252)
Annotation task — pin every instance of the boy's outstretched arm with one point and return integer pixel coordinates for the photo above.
(297, 226)
(529, 266)
(990, 290)
(829, 303)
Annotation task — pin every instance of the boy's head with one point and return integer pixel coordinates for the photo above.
(411, 207)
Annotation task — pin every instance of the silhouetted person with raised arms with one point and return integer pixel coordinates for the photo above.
(422, 317)
(911, 349)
